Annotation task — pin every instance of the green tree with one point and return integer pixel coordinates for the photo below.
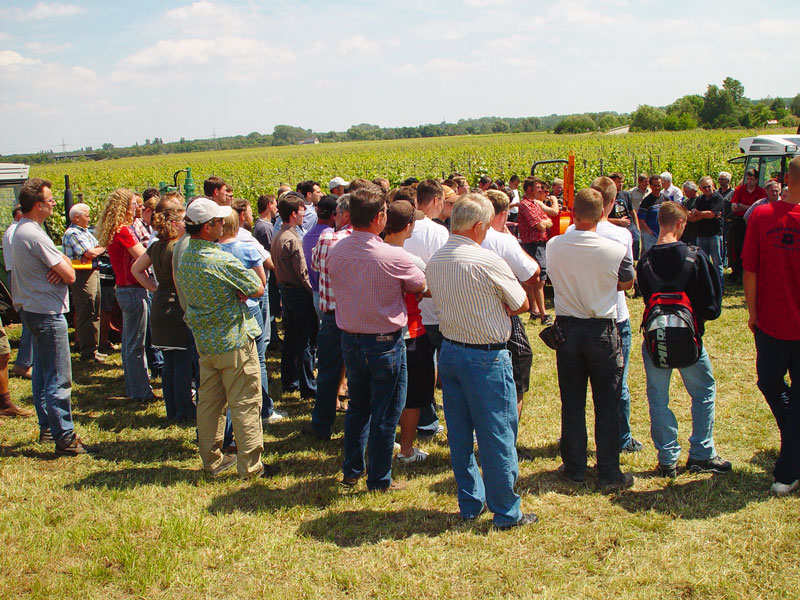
(795, 105)
(575, 124)
(284, 135)
(717, 103)
(500, 126)
(648, 118)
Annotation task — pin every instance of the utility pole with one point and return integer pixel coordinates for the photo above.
(63, 147)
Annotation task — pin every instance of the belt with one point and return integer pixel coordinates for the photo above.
(565, 319)
(498, 346)
(378, 337)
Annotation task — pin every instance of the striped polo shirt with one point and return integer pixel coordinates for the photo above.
(470, 286)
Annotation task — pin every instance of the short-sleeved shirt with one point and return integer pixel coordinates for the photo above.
(471, 287)
(369, 278)
(319, 263)
(121, 259)
(772, 252)
(77, 241)
(743, 196)
(8, 235)
(637, 195)
(310, 240)
(209, 279)
(648, 210)
(428, 236)
(714, 203)
(249, 257)
(585, 268)
(262, 231)
(530, 215)
(34, 254)
(507, 247)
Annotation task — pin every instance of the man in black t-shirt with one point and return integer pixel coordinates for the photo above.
(623, 213)
(648, 213)
(707, 214)
(665, 260)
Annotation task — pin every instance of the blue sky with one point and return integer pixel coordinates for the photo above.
(91, 72)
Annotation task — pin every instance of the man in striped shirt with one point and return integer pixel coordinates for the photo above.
(474, 292)
(329, 339)
(368, 278)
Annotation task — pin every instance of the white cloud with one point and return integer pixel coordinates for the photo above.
(486, 3)
(39, 48)
(443, 64)
(12, 61)
(42, 10)
(356, 44)
(406, 69)
(4, 36)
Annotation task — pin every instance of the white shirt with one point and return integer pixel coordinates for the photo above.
(507, 247)
(7, 237)
(245, 236)
(584, 269)
(426, 239)
(622, 236)
(674, 193)
(514, 209)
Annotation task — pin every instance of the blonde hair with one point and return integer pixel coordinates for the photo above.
(164, 222)
(116, 213)
(230, 224)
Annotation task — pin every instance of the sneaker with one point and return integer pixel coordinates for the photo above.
(23, 372)
(417, 455)
(228, 460)
(547, 320)
(670, 470)
(350, 482)
(275, 417)
(72, 446)
(269, 470)
(473, 517)
(624, 481)
(108, 348)
(632, 446)
(535, 316)
(562, 473)
(45, 435)
(395, 448)
(712, 465)
(526, 519)
(783, 489)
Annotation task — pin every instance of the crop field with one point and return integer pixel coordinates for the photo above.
(687, 155)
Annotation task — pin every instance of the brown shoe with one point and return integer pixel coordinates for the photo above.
(395, 486)
(22, 372)
(72, 446)
(227, 462)
(45, 435)
(9, 409)
(350, 482)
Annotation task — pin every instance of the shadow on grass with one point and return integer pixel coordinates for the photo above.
(30, 450)
(765, 459)
(701, 496)
(549, 450)
(361, 527)
(145, 451)
(126, 479)
(257, 497)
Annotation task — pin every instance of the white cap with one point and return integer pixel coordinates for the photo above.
(202, 210)
(336, 182)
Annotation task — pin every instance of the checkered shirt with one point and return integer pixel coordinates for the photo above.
(319, 262)
(530, 215)
(77, 241)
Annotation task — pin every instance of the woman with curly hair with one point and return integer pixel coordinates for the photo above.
(170, 332)
(124, 248)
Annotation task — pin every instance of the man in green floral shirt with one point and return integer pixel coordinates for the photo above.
(215, 284)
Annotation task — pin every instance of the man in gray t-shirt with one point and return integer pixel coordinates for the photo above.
(41, 300)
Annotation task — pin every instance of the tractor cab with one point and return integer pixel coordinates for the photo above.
(564, 219)
(12, 176)
(769, 155)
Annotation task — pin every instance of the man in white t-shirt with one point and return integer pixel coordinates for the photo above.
(426, 239)
(526, 270)
(587, 271)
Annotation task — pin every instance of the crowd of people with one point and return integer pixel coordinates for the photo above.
(384, 292)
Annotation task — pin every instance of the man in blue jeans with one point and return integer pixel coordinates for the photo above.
(665, 262)
(474, 292)
(707, 214)
(369, 278)
(41, 300)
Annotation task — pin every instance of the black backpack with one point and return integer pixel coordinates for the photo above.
(668, 324)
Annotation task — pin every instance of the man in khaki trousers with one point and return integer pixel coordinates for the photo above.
(214, 282)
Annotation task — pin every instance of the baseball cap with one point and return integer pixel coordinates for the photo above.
(400, 213)
(336, 182)
(202, 210)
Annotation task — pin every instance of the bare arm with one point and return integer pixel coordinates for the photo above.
(136, 251)
(750, 281)
(138, 271)
(550, 211)
(62, 272)
(624, 285)
(524, 308)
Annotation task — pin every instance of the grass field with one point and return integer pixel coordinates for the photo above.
(138, 519)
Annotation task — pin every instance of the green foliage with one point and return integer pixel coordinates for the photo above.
(284, 135)
(648, 118)
(794, 106)
(576, 124)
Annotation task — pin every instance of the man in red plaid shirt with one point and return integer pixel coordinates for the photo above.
(532, 224)
(329, 338)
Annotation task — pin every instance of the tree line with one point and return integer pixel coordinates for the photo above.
(723, 107)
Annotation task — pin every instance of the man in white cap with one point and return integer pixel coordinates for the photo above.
(337, 186)
(213, 283)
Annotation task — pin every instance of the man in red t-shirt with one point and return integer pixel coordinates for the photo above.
(742, 198)
(532, 225)
(771, 285)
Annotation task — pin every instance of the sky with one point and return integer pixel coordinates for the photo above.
(85, 72)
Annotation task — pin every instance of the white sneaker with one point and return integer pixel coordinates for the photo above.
(417, 455)
(783, 489)
(396, 448)
(275, 417)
